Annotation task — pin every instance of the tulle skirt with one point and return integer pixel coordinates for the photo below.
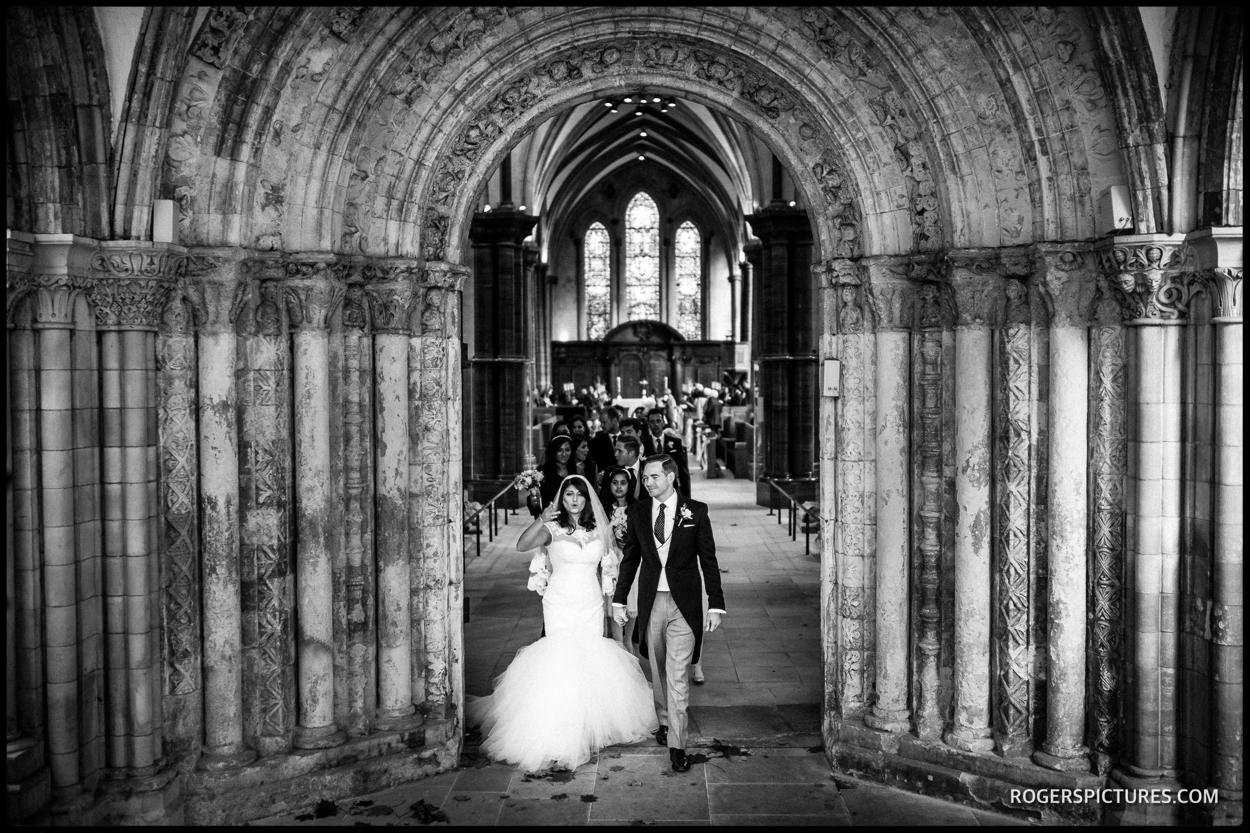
(561, 700)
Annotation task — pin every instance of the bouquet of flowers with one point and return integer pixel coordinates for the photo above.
(618, 523)
(527, 480)
(540, 572)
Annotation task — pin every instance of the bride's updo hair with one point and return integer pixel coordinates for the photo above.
(587, 519)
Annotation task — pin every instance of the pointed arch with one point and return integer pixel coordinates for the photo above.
(597, 280)
(642, 258)
(688, 280)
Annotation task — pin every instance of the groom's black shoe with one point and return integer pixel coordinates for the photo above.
(661, 736)
(680, 762)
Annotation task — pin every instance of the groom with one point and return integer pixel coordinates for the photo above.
(668, 542)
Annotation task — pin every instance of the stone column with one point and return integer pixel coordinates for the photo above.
(131, 283)
(219, 296)
(1068, 281)
(182, 704)
(735, 305)
(890, 294)
(60, 271)
(786, 347)
(313, 295)
(390, 292)
(26, 771)
(1149, 272)
(1220, 256)
(973, 276)
(850, 507)
(436, 511)
(503, 347)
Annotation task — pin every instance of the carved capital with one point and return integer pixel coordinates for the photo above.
(355, 308)
(1067, 280)
(1224, 287)
(935, 306)
(1016, 261)
(54, 297)
(217, 299)
(437, 315)
(839, 271)
(891, 295)
(973, 276)
(310, 301)
(448, 276)
(122, 303)
(389, 305)
(1150, 276)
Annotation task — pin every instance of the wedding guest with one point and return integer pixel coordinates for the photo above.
(556, 467)
(603, 443)
(661, 438)
(582, 462)
(577, 425)
(619, 488)
(628, 450)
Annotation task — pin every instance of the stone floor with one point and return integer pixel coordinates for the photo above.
(755, 723)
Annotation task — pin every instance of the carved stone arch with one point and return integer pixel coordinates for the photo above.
(804, 142)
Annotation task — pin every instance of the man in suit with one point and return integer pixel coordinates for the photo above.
(627, 451)
(660, 438)
(603, 443)
(668, 544)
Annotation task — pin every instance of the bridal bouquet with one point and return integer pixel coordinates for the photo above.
(527, 480)
(540, 573)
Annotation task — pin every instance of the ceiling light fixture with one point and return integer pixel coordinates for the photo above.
(641, 103)
(642, 133)
(642, 158)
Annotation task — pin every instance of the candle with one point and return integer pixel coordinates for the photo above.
(618, 385)
(666, 384)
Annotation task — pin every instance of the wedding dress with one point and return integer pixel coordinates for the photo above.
(574, 691)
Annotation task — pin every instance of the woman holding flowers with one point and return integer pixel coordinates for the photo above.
(556, 467)
(572, 692)
(618, 496)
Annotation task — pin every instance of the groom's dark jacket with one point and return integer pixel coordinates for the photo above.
(692, 549)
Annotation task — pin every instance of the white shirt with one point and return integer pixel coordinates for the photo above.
(661, 548)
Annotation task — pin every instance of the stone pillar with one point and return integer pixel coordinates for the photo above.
(848, 488)
(1108, 463)
(735, 306)
(786, 345)
(502, 346)
(436, 512)
(892, 304)
(60, 270)
(973, 276)
(1220, 260)
(930, 391)
(313, 295)
(1017, 456)
(1149, 272)
(219, 295)
(130, 285)
(26, 772)
(182, 704)
(390, 292)
(1068, 281)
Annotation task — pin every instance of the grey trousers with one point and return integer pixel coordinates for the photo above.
(670, 646)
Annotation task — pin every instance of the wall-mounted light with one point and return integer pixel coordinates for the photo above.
(486, 207)
(793, 203)
(522, 208)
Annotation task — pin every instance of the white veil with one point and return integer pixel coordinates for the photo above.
(609, 562)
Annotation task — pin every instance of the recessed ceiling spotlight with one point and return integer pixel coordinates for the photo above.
(656, 100)
(637, 112)
(642, 133)
(614, 110)
(628, 100)
(607, 104)
(642, 158)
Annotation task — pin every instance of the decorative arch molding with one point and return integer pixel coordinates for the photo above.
(58, 167)
(720, 79)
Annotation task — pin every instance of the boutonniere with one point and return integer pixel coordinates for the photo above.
(685, 513)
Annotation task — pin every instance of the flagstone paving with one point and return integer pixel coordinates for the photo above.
(754, 725)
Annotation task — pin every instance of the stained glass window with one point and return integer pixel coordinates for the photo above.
(689, 269)
(642, 258)
(596, 261)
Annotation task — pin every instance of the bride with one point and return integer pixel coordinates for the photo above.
(574, 691)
